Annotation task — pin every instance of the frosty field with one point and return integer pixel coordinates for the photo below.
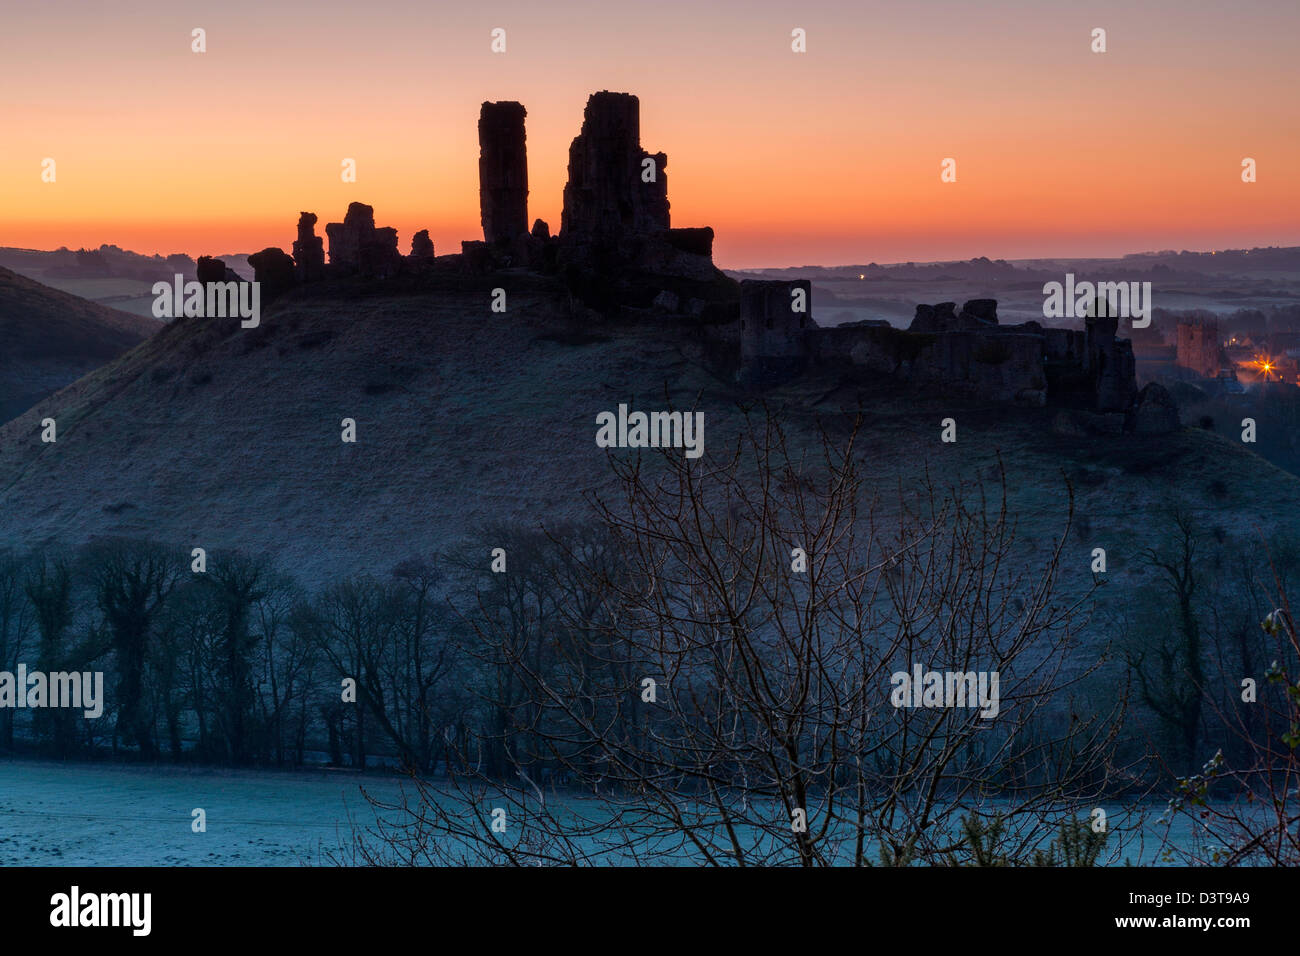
(111, 815)
(95, 815)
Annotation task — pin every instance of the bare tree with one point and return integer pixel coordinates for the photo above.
(1244, 809)
(1169, 663)
(17, 621)
(355, 623)
(725, 691)
(132, 581)
(284, 669)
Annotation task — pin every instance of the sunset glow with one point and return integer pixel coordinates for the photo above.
(831, 156)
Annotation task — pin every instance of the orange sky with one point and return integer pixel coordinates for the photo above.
(831, 156)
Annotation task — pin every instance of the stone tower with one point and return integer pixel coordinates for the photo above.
(502, 171)
(616, 189)
(1199, 347)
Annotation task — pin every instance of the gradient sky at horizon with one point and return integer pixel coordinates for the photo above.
(826, 157)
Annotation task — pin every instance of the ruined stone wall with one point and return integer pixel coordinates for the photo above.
(356, 246)
(346, 237)
(968, 353)
(975, 315)
(774, 338)
(987, 365)
(1065, 360)
(997, 366)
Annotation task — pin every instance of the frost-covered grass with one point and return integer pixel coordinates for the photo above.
(113, 815)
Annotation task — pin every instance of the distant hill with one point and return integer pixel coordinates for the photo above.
(50, 338)
(1218, 282)
(109, 275)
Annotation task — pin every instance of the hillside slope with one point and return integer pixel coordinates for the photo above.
(49, 338)
(208, 434)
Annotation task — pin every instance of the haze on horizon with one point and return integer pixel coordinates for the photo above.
(831, 156)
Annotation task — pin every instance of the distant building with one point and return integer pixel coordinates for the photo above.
(1199, 347)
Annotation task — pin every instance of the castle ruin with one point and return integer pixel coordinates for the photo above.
(308, 250)
(503, 172)
(967, 352)
(616, 212)
(356, 246)
(616, 189)
(618, 254)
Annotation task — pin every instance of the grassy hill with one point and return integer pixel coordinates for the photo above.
(208, 434)
(49, 338)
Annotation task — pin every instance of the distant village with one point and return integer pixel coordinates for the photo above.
(1227, 354)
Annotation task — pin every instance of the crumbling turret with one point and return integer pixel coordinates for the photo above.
(308, 250)
(503, 172)
(615, 187)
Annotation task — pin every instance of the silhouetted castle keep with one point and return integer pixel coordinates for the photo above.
(616, 189)
(615, 218)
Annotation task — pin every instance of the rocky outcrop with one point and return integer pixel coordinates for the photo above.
(308, 250)
(503, 172)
